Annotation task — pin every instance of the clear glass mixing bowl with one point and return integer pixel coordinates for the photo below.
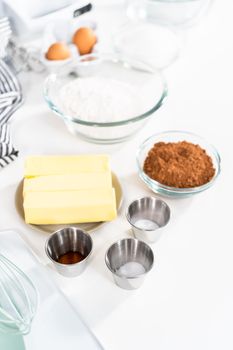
(149, 85)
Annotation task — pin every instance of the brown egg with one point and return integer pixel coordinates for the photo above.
(58, 51)
(84, 38)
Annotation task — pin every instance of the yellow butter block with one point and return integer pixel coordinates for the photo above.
(67, 207)
(68, 182)
(61, 165)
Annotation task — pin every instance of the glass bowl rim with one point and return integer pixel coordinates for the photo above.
(113, 57)
(178, 190)
(171, 1)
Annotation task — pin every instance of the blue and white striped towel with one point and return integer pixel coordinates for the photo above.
(10, 100)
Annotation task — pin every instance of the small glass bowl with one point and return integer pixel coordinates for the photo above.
(161, 45)
(148, 83)
(174, 13)
(176, 136)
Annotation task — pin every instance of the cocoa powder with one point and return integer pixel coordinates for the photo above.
(179, 164)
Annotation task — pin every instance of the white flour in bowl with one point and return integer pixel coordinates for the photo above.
(100, 99)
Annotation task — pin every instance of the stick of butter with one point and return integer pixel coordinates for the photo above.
(80, 181)
(67, 207)
(61, 165)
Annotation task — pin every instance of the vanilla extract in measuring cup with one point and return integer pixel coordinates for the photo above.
(70, 258)
(69, 249)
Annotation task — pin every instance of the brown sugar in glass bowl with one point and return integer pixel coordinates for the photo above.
(178, 163)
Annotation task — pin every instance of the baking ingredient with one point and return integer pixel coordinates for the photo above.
(179, 164)
(70, 258)
(68, 182)
(58, 51)
(131, 269)
(145, 224)
(68, 189)
(84, 38)
(100, 99)
(67, 207)
(61, 165)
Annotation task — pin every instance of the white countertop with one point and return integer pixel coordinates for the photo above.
(186, 300)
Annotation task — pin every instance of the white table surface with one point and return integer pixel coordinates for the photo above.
(186, 301)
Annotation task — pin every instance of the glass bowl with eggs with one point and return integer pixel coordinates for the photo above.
(105, 98)
(178, 164)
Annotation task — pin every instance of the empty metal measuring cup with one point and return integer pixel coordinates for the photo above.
(65, 241)
(129, 260)
(147, 216)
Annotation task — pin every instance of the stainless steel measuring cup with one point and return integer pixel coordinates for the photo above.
(147, 216)
(129, 260)
(63, 241)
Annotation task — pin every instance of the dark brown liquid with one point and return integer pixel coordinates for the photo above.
(70, 258)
